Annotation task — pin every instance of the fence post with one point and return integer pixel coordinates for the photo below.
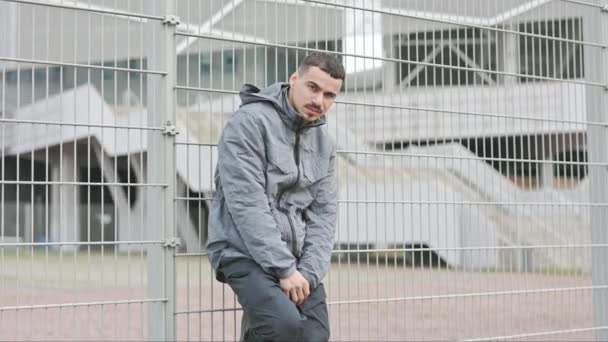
(595, 71)
(161, 55)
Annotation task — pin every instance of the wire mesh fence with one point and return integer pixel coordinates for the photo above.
(74, 136)
(471, 139)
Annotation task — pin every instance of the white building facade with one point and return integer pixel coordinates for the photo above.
(447, 105)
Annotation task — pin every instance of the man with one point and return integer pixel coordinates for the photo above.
(272, 221)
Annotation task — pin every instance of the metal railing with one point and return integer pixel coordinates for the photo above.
(471, 139)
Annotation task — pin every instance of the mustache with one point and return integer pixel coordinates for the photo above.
(313, 106)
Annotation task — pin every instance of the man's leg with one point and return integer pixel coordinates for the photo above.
(316, 324)
(269, 314)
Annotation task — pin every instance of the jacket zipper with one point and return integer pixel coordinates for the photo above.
(296, 156)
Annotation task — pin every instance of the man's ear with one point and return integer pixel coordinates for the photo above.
(293, 78)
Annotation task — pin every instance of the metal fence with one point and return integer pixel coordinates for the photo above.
(472, 164)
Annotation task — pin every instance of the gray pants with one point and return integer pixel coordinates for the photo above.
(268, 314)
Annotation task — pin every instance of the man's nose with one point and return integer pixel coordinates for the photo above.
(317, 98)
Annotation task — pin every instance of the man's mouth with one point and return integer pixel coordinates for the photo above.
(314, 109)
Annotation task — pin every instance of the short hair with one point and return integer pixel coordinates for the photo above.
(324, 61)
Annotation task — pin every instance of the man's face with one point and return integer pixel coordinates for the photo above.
(313, 92)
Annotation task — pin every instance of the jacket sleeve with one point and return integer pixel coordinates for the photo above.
(320, 228)
(241, 167)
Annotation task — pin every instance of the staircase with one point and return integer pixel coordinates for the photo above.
(521, 219)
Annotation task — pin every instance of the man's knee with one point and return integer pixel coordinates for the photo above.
(280, 328)
(288, 328)
(320, 334)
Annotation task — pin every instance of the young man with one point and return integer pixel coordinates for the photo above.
(272, 222)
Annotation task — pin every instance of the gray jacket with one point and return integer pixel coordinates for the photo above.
(276, 189)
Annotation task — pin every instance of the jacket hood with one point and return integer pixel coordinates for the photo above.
(276, 94)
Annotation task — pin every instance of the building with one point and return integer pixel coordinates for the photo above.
(456, 104)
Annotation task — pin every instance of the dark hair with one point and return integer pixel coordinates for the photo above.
(324, 61)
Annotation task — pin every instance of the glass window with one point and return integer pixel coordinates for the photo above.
(546, 57)
(470, 49)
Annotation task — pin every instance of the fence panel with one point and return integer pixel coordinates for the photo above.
(462, 133)
(472, 164)
(74, 134)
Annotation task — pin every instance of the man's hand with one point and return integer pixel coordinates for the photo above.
(296, 287)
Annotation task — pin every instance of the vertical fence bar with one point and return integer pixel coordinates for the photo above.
(595, 71)
(161, 168)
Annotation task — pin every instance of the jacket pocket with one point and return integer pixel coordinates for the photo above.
(281, 159)
(314, 169)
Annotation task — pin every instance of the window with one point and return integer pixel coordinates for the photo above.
(282, 62)
(205, 65)
(546, 57)
(572, 164)
(466, 48)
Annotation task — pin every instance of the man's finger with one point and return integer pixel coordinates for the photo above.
(301, 296)
(293, 296)
(306, 290)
